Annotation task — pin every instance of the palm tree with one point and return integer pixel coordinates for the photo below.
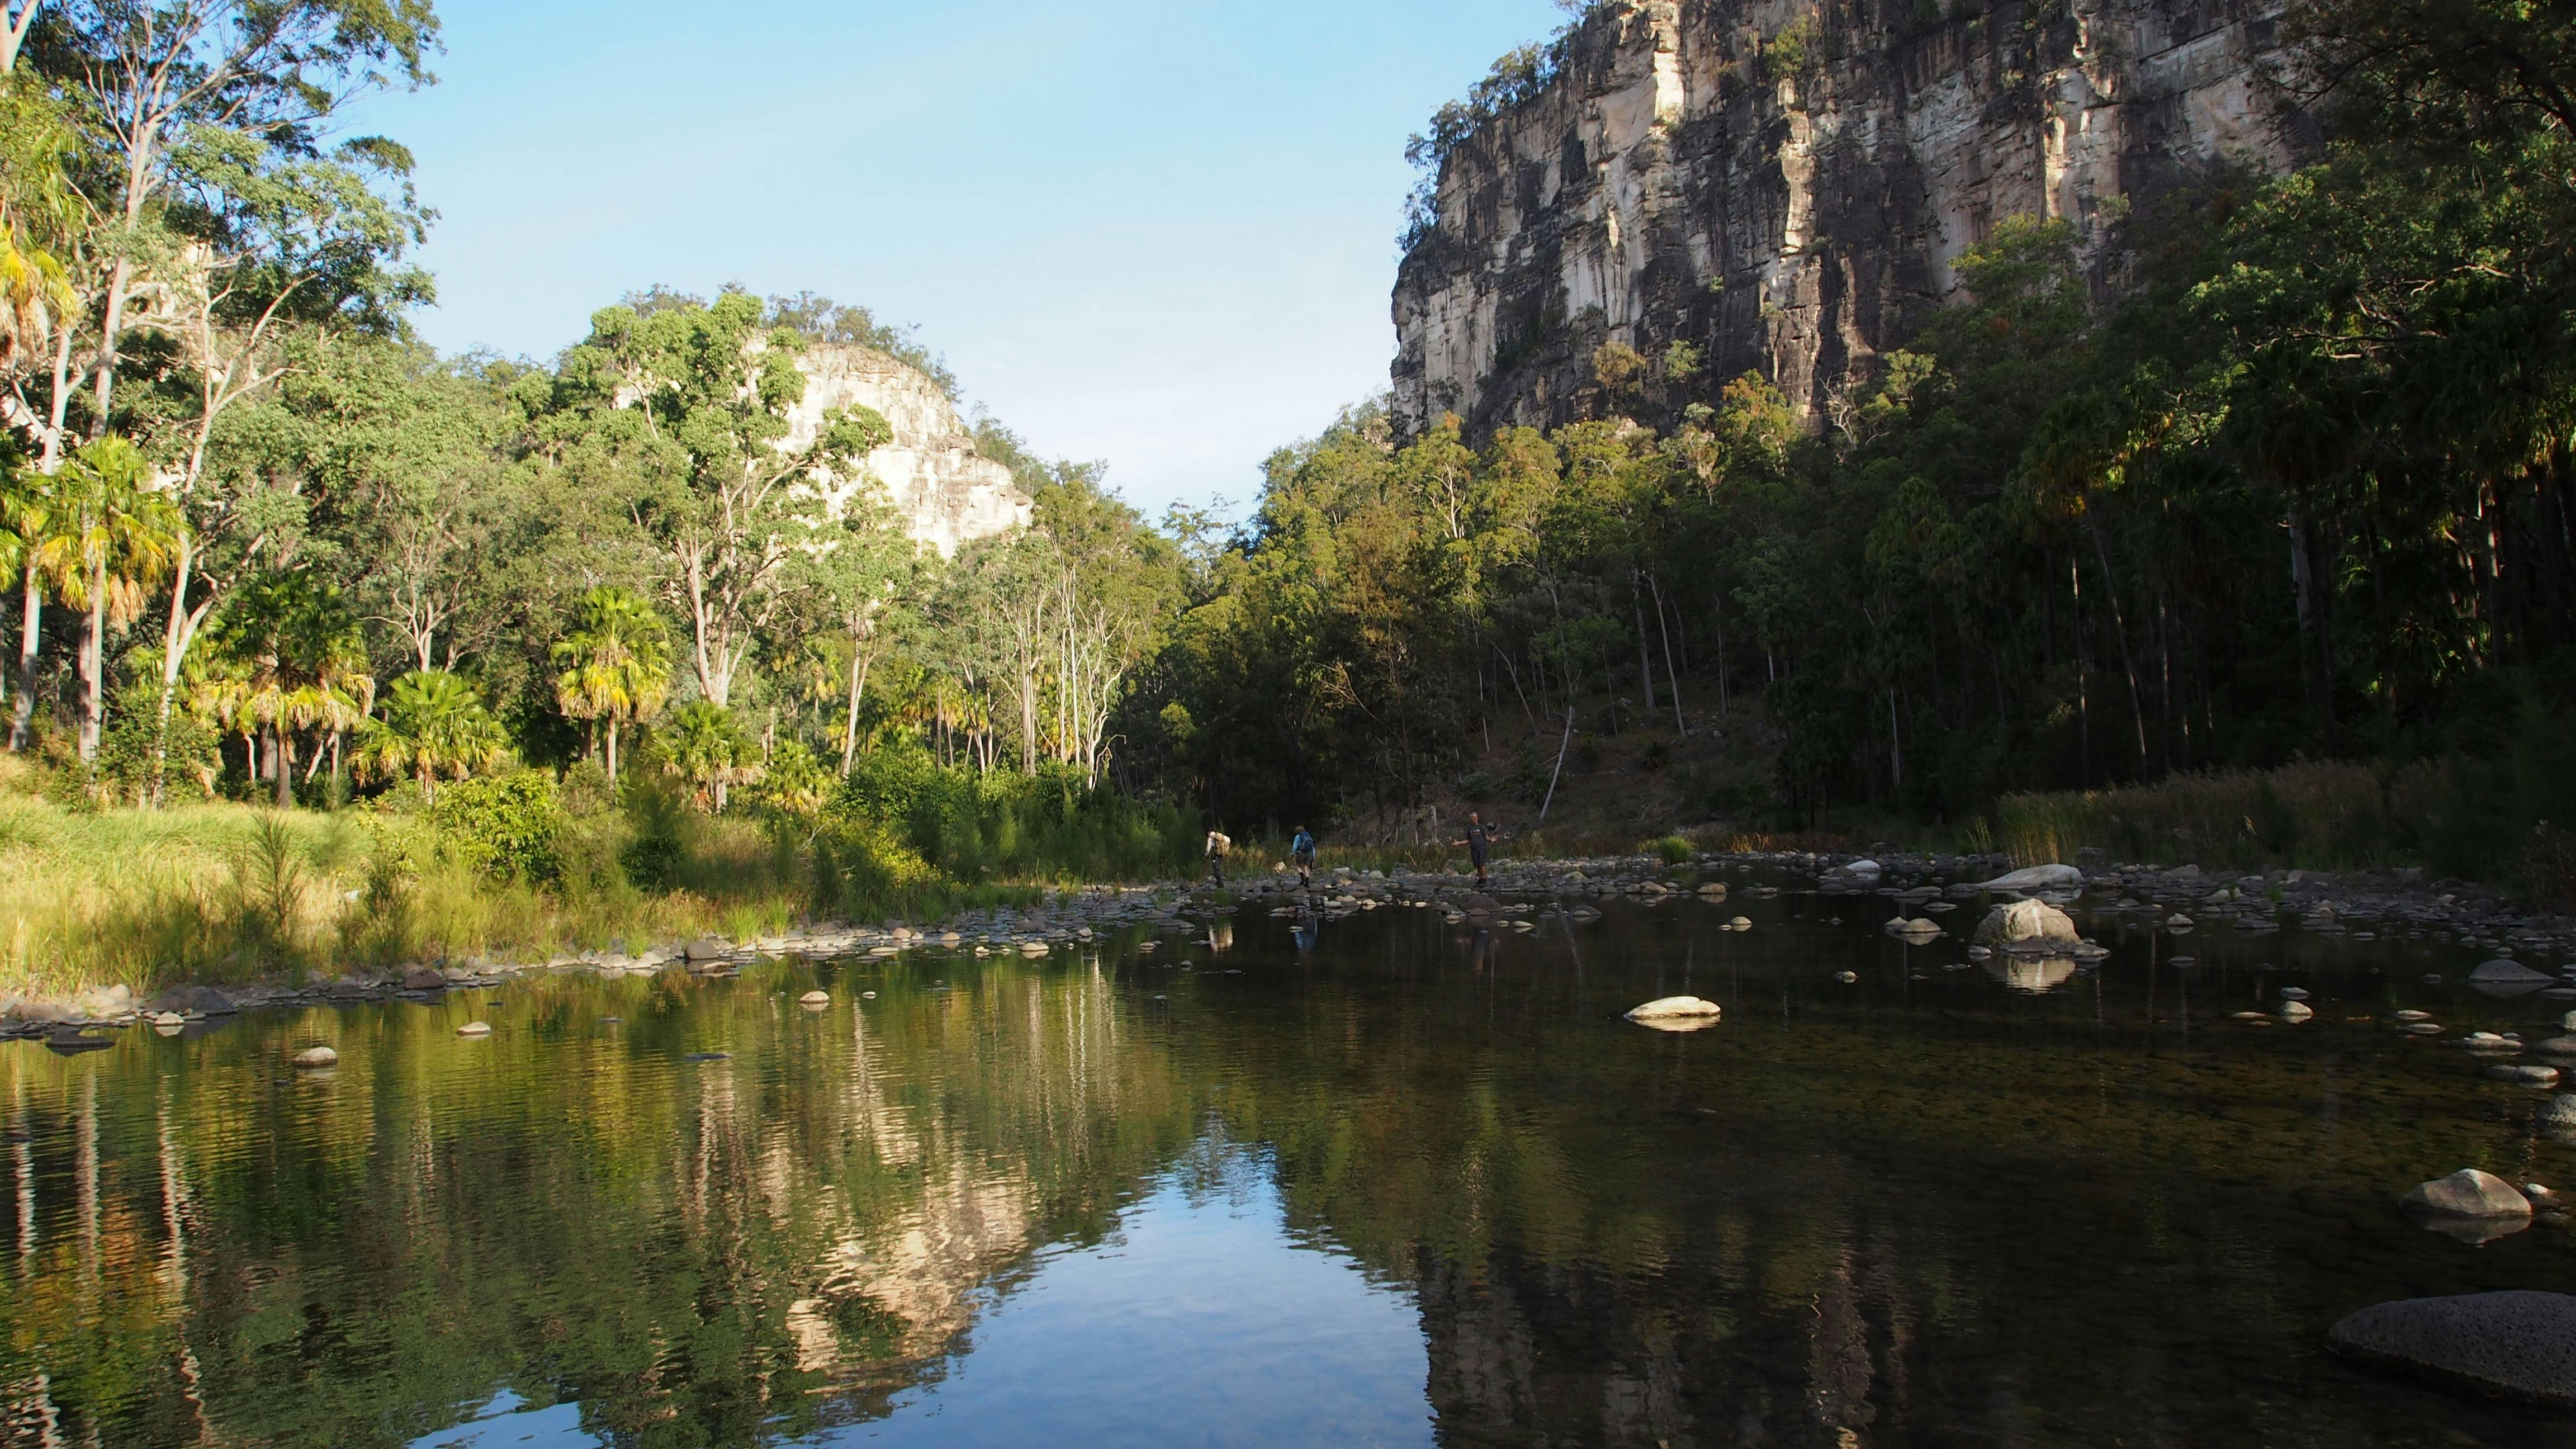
(702, 744)
(26, 517)
(114, 534)
(618, 664)
(434, 725)
(306, 664)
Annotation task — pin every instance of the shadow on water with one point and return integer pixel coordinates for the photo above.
(1326, 1178)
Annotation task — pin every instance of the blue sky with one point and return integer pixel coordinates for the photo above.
(1146, 231)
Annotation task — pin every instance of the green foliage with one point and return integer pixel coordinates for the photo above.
(510, 827)
(1673, 850)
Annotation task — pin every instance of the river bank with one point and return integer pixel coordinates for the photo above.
(1520, 894)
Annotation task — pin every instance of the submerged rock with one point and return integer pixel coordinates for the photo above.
(2518, 1343)
(320, 1056)
(2468, 1193)
(475, 1028)
(2525, 1075)
(2296, 1011)
(815, 998)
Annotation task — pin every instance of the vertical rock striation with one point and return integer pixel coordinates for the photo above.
(946, 492)
(1786, 184)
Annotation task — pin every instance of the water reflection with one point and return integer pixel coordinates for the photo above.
(1417, 1183)
(2030, 974)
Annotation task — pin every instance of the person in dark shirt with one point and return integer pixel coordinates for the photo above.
(1303, 849)
(1478, 842)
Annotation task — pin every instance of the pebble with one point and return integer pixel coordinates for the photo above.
(1847, 977)
(867, 996)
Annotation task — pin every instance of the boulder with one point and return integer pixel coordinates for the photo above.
(2507, 978)
(422, 978)
(2296, 1011)
(2525, 1075)
(2518, 1343)
(475, 1028)
(2035, 878)
(2027, 926)
(320, 1056)
(2560, 1113)
(99, 1003)
(42, 1011)
(2469, 1193)
(203, 1000)
(815, 998)
(704, 949)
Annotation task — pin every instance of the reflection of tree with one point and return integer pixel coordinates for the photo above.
(700, 1254)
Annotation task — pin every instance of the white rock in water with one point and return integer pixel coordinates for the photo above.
(815, 998)
(2035, 878)
(2417, 1016)
(320, 1056)
(2294, 993)
(2524, 1075)
(1864, 867)
(1667, 1008)
(2469, 1193)
(1740, 924)
(2027, 926)
(1847, 977)
(2296, 1011)
(867, 996)
(475, 1028)
(2509, 973)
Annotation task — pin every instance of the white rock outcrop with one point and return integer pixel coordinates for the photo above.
(948, 494)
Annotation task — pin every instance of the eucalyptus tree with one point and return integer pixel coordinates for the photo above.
(685, 409)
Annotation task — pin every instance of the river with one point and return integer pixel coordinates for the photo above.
(1382, 1180)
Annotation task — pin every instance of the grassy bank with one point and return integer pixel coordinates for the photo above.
(518, 867)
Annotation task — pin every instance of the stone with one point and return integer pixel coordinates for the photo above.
(201, 1000)
(2035, 878)
(2560, 1113)
(2027, 925)
(2523, 1074)
(943, 491)
(1666, 1007)
(422, 978)
(320, 1056)
(99, 1003)
(475, 1028)
(2517, 1343)
(1740, 923)
(2468, 1193)
(1847, 977)
(867, 996)
(2296, 1011)
(815, 998)
(168, 1018)
(704, 949)
(2288, 993)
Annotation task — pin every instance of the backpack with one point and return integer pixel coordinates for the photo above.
(1224, 842)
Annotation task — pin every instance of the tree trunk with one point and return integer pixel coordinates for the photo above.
(612, 750)
(1671, 674)
(31, 619)
(93, 665)
(285, 769)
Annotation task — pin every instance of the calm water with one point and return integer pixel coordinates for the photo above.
(1415, 1185)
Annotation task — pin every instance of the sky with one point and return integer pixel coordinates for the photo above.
(1153, 233)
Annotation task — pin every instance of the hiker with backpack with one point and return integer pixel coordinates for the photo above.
(1302, 850)
(1219, 844)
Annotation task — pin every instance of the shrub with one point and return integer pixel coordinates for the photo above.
(509, 827)
(1673, 850)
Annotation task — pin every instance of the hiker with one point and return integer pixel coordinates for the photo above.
(1302, 850)
(1218, 843)
(1479, 840)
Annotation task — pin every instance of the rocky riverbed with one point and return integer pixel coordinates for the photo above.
(1519, 893)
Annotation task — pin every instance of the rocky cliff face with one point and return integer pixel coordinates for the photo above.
(1786, 184)
(948, 494)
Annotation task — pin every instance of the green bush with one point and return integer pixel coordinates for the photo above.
(1673, 850)
(509, 827)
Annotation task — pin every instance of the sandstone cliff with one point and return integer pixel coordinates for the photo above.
(1785, 184)
(948, 494)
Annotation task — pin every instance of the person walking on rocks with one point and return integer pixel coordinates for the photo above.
(1302, 849)
(1479, 841)
(1219, 844)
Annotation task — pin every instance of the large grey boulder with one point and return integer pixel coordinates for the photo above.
(203, 1000)
(2518, 1343)
(2034, 926)
(2469, 1193)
